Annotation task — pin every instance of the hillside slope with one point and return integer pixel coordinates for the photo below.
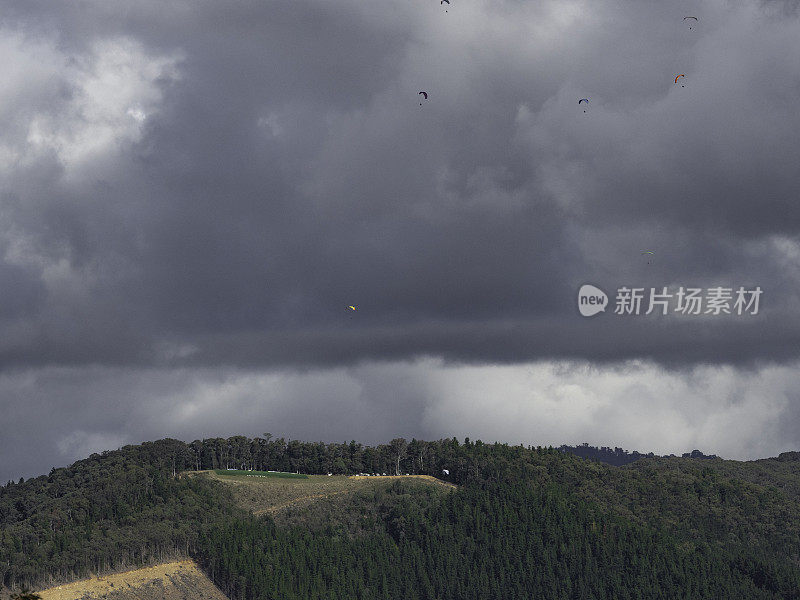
(711, 528)
(181, 580)
(272, 496)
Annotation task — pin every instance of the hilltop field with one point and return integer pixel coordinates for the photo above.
(315, 498)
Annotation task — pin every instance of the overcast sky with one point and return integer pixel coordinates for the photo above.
(192, 193)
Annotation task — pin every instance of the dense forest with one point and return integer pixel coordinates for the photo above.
(106, 512)
(527, 522)
(507, 541)
(618, 456)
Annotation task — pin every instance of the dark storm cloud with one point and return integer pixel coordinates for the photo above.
(282, 169)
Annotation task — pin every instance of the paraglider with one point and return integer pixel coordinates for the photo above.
(443, 1)
(648, 252)
(583, 100)
(424, 94)
(676, 79)
(695, 20)
(351, 307)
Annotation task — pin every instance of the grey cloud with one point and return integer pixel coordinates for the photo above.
(211, 230)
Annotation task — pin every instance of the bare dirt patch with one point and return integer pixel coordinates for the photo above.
(180, 580)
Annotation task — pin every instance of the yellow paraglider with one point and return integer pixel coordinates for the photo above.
(351, 307)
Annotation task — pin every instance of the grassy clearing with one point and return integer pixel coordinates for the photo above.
(274, 495)
(261, 474)
(426, 478)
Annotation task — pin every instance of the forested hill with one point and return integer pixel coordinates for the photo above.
(526, 522)
(618, 456)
